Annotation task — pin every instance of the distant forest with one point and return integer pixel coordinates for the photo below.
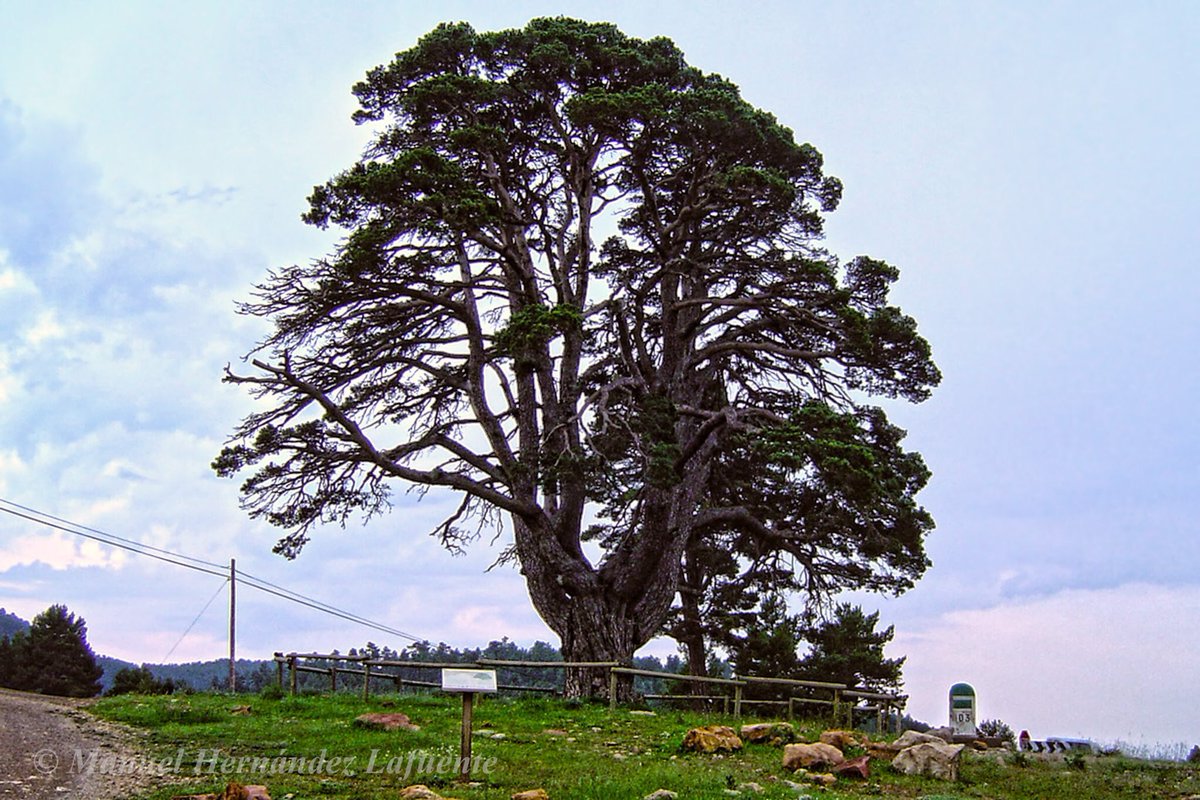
(255, 675)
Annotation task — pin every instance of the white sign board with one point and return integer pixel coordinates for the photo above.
(468, 680)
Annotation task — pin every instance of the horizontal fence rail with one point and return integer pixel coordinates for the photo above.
(842, 700)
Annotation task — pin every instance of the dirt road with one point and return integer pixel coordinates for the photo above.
(50, 748)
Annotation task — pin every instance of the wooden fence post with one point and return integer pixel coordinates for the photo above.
(366, 681)
(292, 673)
(279, 670)
(737, 701)
(332, 679)
(612, 690)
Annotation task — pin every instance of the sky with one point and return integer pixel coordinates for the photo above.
(1031, 168)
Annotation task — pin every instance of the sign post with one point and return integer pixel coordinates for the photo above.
(467, 682)
(962, 710)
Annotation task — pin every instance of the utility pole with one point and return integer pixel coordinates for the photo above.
(232, 623)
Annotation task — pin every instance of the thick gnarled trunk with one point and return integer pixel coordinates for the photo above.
(595, 633)
(607, 613)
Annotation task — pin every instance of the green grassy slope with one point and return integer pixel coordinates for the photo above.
(307, 747)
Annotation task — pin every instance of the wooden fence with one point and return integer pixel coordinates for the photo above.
(842, 701)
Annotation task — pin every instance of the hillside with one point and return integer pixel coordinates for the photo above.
(200, 675)
(11, 623)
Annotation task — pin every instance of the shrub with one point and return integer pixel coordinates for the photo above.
(141, 681)
(997, 728)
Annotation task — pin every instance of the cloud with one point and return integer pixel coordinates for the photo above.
(59, 551)
(1092, 663)
(47, 189)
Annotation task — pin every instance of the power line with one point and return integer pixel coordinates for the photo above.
(300, 598)
(111, 535)
(178, 559)
(192, 624)
(105, 541)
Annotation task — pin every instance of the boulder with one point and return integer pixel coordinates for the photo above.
(909, 738)
(841, 739)
(936, 760)
(886, 751)
(775, 734)
(823, 779)
(807, 756)
(710, 739)
(531, 794)
(393, 721)
(854, 768)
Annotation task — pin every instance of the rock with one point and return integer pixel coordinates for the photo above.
(775, 734)
(531, 794)
(979, 745)
(661, 794)
(241, 711)
(554, 732)
(751, 787)
(642, 713)
(937, 760)
(811, 755)
(909, 738)
(419, 791)
(823, 779)
(881, 750)
(840, 739)
(711, 738)
(392, 721)
(233, 791)
(854, 768)
(886, 751)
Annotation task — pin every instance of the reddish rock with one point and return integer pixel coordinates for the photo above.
(807, 756)
(233, 791)
(393, 721)
(854, 768)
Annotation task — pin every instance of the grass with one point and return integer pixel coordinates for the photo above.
(307, 747)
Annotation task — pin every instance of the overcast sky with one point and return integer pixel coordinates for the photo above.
(1031, 168)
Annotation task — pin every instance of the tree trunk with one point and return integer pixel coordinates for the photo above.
(595, 633)
(606, 613)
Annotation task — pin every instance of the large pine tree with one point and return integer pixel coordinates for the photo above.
(475, 331)
(55, 658)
